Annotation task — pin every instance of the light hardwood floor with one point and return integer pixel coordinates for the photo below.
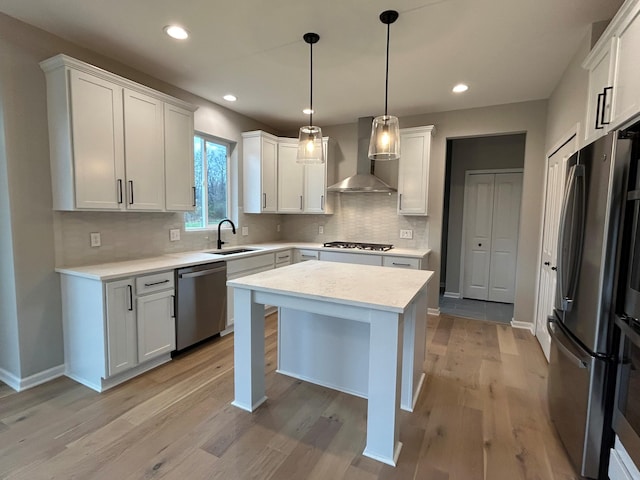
(481, 415)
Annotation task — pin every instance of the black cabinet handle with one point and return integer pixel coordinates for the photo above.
(600, 106)
(604, 103)
(194, 196)
(130, 288)
(264, 200)
(131, 192)
(119, 190)
(173, 306)
(156, 283)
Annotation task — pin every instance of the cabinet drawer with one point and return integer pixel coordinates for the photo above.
(250, 263)
(154, 282)
(283, 258)
(359, 258)
(304, 255)
(401, 262)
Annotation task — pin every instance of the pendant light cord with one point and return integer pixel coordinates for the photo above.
(386, 75)
(311, 84)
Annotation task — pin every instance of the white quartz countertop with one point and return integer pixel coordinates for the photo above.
(368, 286)
(170, 261)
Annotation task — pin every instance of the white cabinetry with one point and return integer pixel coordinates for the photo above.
(600, 68)
(108, 137)
(302, 255)
(118, 329)
(259, 166)
(413, 171)
(275, 183)
(284, 258)
(241, 268)
(180, 191)
(614, 74)
(626, 86)
(348, 257)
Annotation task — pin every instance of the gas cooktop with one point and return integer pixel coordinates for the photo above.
(379, 247)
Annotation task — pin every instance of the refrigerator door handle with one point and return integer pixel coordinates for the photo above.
(568, 265)
(566, 345)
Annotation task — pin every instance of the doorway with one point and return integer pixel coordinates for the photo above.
(504, 153)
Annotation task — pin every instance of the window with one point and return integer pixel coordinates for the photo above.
(211, 160)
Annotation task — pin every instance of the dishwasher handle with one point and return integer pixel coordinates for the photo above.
(202, 273)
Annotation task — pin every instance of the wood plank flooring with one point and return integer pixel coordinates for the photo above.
(481, 415)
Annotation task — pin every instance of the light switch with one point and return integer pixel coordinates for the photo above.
(174, 234)
(95, 239)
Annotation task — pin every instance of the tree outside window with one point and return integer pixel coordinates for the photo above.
(211, 159)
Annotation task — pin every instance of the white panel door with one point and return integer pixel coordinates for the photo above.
(121, 327)
(290, 179)
(626, 88)
(504, 236)
(478, 225)
(413, 171)
(556, 173)
(269, 174)
(144, 151)
(178, 159)
(98, 148)
(156, 325)
(315, 186)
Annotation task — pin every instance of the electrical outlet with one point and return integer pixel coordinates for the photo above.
(174, 234)
(245, 231)
(406, 234)
(278, 228)
(320, 230)
(95, 239)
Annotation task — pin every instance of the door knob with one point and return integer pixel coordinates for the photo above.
(547, 263)
(479, 244)
(554, 268)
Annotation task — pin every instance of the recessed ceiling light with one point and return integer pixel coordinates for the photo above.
(174, 31)
(307, 111)
(230, 98)
(461, 87)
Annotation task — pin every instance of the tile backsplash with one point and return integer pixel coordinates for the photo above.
(363, 217)
(359, 217)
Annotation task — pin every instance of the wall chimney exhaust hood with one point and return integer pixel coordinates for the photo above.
(363, 180)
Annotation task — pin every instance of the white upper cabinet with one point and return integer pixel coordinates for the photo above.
(614, 74)
(626, 86)
(413, 170)
(178, 158)
(290, 177)
(259, 166)
(275, 183)
(108, 137)
(144, 151)
(600, 95)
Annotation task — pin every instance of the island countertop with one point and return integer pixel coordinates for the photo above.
(344, 283)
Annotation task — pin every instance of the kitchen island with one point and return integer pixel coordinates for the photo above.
(383, 309)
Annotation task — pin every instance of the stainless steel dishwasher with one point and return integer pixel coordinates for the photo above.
(201, 303)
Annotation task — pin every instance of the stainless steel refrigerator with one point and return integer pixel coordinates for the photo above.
(583, 352)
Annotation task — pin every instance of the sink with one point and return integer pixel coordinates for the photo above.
(231, 252)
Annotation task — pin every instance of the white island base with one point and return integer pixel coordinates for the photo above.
(374, 318)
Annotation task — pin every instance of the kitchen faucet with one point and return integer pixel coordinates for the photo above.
(233, 227)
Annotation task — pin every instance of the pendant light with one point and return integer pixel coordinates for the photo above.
(310, 140)
(385, 132)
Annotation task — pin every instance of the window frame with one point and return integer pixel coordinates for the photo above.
(205, 190)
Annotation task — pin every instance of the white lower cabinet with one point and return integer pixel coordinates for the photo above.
(284, 258)
(241, 268)
(302, 255)
(621, 467)
(117, 329)
(348, 257)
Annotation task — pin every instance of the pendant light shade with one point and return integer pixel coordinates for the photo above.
(385, 130)
(310, 148)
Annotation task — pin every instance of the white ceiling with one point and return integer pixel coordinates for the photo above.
(506, 50)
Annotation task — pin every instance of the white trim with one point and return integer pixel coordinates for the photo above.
(434, 311)
(452, 295)
(524, 325)
(20, 384)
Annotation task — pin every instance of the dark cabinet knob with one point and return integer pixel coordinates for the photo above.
(554, 268)
(479, 244)
(547, 263)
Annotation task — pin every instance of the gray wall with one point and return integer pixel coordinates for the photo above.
(504, 151)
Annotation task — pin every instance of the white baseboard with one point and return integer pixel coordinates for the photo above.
(434, 311)
(20, 384)
(524, 325)
(452, 295)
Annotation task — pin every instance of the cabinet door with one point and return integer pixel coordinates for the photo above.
(269, 175)
(315, 187)
(156, 325)
(290, 179)
(98, 148)
(599, 101)
(178, 158)
(626, 91)
(144, 151)
(121, 327)
(413, 171)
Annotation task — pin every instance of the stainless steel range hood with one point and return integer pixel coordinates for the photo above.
(364, 180)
